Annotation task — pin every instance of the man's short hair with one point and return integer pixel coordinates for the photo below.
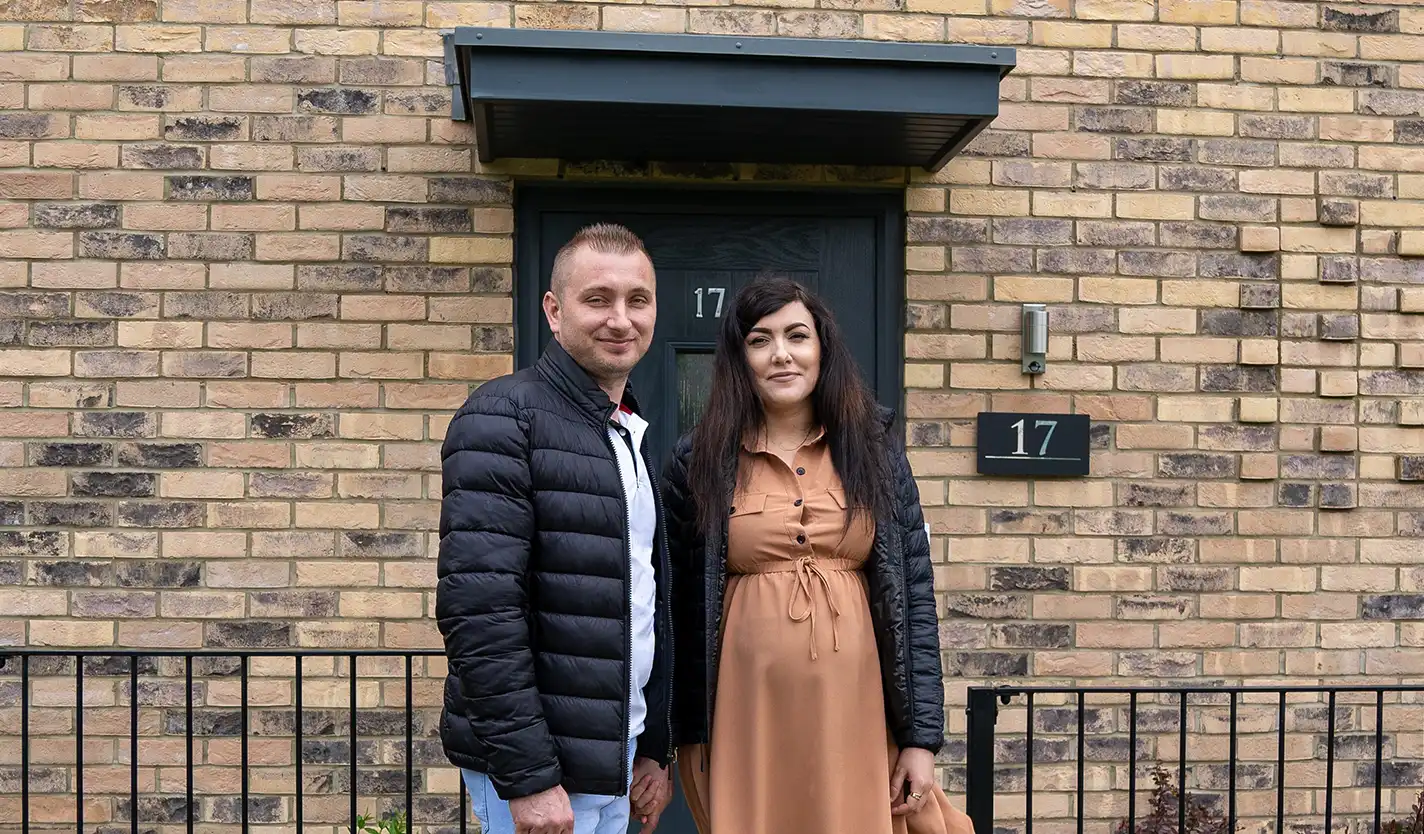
(608, 238)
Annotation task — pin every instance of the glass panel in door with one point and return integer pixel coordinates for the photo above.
(693, 375)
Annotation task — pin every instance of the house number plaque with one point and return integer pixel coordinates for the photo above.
(1011, 443)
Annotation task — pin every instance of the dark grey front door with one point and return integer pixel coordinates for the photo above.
(705, 246)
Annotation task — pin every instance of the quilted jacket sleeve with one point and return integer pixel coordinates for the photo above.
(487, 528)
(688, 595)
(925, 674)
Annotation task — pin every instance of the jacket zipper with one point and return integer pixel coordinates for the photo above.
(713, 617)
(667, 606)
(905, 612)
(628, 606)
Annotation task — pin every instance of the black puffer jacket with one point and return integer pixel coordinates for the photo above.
(902, 609)
(534, 594)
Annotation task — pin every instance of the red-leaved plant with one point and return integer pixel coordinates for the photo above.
(1161, 816)
(1412, 824)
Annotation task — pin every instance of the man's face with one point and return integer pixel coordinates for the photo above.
(605, 313)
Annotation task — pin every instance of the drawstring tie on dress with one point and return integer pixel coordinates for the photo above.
(807, 573)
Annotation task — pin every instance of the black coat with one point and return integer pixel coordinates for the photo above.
(534, 594)
(902, 609)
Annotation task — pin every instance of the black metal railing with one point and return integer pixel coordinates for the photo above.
(387, 751)
(1113, 734)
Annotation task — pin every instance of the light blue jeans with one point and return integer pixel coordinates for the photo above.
(593, 814)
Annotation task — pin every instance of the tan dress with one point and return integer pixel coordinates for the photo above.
(799, 737)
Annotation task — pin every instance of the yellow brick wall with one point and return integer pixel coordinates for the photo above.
(248, 267)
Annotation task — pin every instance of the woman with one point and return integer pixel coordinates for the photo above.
(807, 671)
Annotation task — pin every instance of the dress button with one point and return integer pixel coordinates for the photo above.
(800, 470)
(732, 511)
(796, 503)
(801, 539)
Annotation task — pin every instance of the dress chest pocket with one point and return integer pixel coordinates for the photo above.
(747, 504)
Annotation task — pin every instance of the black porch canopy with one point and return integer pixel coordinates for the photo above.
(714, 98)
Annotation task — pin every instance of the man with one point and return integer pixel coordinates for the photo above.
(553, 568)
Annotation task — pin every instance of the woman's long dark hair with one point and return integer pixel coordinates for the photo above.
(842, 405)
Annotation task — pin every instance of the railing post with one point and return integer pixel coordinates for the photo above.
(979, 759)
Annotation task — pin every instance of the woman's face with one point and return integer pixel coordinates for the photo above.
(784, 353)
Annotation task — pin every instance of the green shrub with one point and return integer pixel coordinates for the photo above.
(391, 824)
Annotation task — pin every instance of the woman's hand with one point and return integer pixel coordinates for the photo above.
(915, 769)
(650, 791)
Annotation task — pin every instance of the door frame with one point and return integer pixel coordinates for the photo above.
(885, 204)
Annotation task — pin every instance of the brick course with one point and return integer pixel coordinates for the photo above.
(248, 266)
